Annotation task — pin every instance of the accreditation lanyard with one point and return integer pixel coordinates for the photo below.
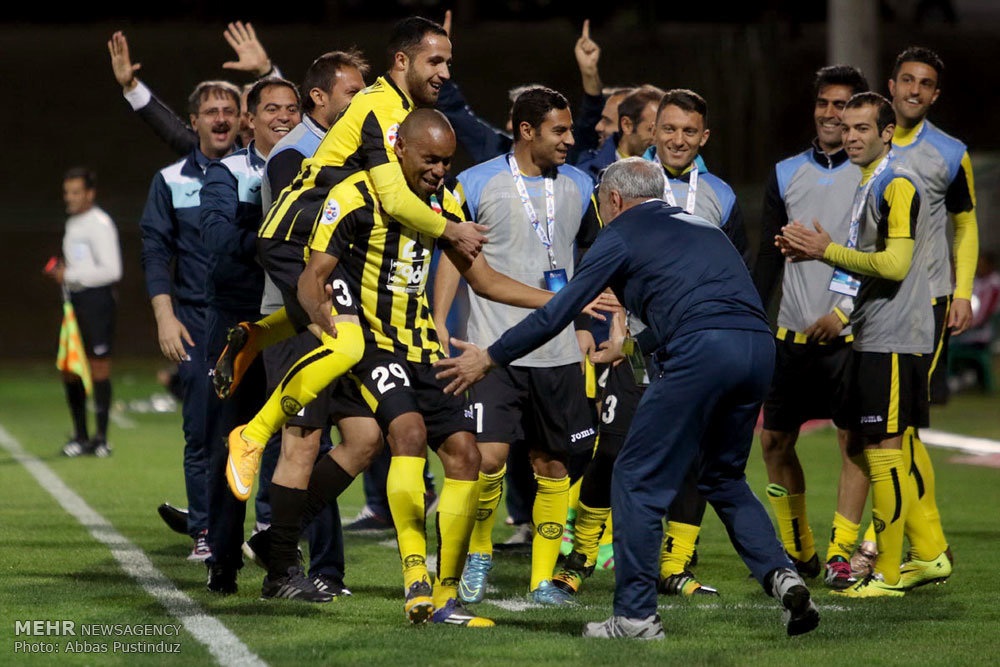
(668, 193)
(842, 281)
(544, 235)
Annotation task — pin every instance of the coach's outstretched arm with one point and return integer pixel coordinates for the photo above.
(599, 266)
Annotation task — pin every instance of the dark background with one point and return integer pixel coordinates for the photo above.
(753, 63)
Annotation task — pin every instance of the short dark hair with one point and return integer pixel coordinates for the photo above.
(919, 54)
(884, 114)
(322, 72)
(636, 102)
(840, 75)
(88, 175)
(533, 104)
(209, 88)
(253, 97)
(685, 99)
(407, 34)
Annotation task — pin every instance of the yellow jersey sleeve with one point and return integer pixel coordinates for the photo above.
(903, 202)
(334, 230)
(453, 204)
(961, 203)
(893, 263)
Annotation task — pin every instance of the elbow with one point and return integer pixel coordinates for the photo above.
(898, 271)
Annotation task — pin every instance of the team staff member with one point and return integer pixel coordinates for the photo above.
(814, 332)
(361, 139)
(943, 165)
(537, 209)
(885, 385)
(230, 214)
(330, 82)
(251, 58)
(91, 265)
(714, 358)
(635, 134)
(171, 234)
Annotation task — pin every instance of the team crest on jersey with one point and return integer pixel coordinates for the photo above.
(392, 133)
(331, 211)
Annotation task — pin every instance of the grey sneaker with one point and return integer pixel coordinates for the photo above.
(800, 615)
(523, 532)
(472, 587)
(547, 593)
(630, 628)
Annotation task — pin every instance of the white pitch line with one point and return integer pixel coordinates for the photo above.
(224, 646)
(962, 443)
(525, 603)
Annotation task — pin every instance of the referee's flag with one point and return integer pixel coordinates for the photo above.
(72, 356)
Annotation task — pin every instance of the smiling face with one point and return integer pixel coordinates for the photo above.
(216, 123)
(425, 158)
(427, 70)
(551, 140)
(636, 138)
(680, 135)
(913, 91)
(862, 140)
(277, 113)
(828, 115)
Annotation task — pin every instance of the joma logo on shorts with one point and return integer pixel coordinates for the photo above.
(872, 419)
(581, 435)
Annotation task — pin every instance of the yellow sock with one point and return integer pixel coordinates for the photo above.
(793, 525)
(678, 547)
(609, 534)
(273, 328)
(405, 490)
(490, 490)
(892, 494)
(548, 515)
(843, 537)
(456, 514)
(574, 495)
(870, 534)
(590, 521)
(922, 471)
(308, 376)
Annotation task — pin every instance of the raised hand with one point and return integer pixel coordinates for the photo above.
(121, 63)
(250, 52)
(587, 54)
(447, 23)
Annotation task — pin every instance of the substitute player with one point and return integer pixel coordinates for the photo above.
(885, 384)
(91, 265)
(537, 210)
(814, 332)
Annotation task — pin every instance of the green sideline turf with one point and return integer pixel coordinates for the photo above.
(52, 569)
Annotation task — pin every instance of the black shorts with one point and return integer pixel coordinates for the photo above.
(96, 308)
(323, 410)
(284, 263)
(546, 407)
(938, 380)
(621, 398)
(390, 386)
(806, 382)
(883, 393)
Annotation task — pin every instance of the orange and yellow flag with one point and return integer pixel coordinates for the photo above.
(72, 355)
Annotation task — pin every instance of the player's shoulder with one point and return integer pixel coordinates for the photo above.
(101, 216)
(382, 97)
(897, 177)
(351, 194)
(174, 172)
(952, 150)
(793, 163)
(584, 182)
(451, 202)
(238, 162)
(483, 171)
(722, 189)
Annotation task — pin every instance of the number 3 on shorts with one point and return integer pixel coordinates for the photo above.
(341, 293)
(382, 375)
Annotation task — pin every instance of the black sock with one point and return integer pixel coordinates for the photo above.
(102, 406)
(287, 505)
(327, 482)
(76, 396)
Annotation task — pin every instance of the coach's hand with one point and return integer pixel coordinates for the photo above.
(466, 237)
(825, 329)
(121, 63)
(606, 302)
(172, 336)
(799, 243)
(250, 53)
(467, 369)
(611, 349)
(960, 316)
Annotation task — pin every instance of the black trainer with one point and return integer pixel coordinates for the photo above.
(293, 586)
(221, 579)
(809, 569)
(328, 584)
(100, 448)
(175, 518)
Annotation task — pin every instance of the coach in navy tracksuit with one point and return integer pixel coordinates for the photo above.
(171, 235)
(713, 358)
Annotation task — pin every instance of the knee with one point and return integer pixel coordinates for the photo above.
(777, 446)
(350, 341)
(492, 459)
(409, 439)
(301, 451)
(461, 457)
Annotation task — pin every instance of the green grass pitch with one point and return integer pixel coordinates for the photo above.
(52, 568)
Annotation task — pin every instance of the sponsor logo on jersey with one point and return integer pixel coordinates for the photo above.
(391, 134)
(331, 211)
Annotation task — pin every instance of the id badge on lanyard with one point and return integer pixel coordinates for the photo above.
(668, 193)
(555, 277)
(844, 282)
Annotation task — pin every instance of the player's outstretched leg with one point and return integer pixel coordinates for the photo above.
(243, 343)
(307, 377)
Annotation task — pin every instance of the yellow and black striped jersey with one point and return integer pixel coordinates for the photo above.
(361, 139)
(386, 265)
